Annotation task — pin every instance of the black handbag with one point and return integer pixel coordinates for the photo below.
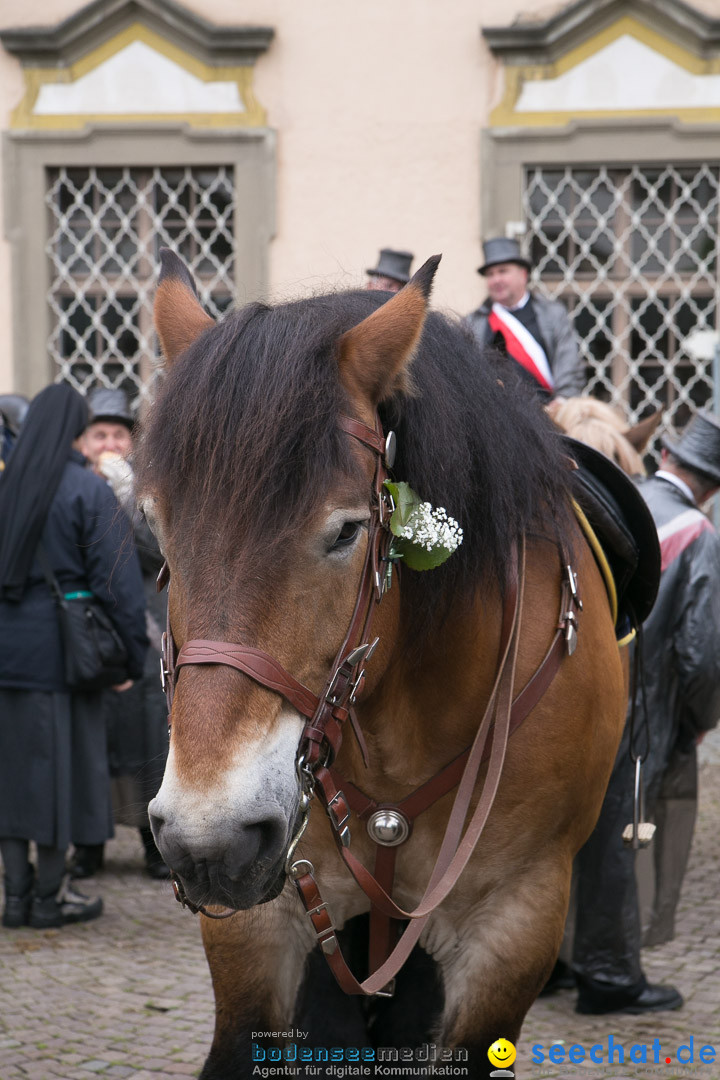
(94, 654)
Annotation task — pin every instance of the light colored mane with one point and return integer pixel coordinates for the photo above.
(606, 429)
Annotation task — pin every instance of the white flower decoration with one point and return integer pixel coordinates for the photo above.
(432, 528)
(425, 536)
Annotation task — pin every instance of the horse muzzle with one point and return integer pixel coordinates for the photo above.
(237, 866)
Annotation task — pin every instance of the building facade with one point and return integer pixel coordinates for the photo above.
(277, 146)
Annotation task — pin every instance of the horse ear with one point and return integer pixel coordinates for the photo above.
(641, 434)
(376, 354)
(179, 316)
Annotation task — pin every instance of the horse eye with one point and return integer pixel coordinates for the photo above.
(346, 536)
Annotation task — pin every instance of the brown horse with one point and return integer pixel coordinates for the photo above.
(261, 472)
(600, 425)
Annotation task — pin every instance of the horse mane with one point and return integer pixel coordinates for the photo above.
(601, 426)
(244, 442)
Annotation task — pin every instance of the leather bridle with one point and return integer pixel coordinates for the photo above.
(389, 825)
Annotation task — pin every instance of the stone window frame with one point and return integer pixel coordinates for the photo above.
(30, 148)
(27, 156)
(508, 152)
(530, 48)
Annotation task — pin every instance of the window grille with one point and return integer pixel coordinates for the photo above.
(631, 251)
(106, 228)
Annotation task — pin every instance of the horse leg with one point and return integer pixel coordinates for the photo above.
(256, 961)
(268, 978)
(324, 1012)
(496, 959)
(410, 1017)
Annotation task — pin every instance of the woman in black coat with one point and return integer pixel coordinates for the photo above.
(53, 753)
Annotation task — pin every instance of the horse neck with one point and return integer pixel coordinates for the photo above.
(426, 708)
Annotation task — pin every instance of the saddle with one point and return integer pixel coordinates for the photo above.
(624, 528)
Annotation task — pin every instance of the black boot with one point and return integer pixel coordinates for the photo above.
(596, 998)
(154, 864)
(562, 977)
(87, 860)
(18, 900)
(67, 905)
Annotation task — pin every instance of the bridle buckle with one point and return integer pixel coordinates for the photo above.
(352, 661)
(164, 668)
(386, 507)
(573, 583)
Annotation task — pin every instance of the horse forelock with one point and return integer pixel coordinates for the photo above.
(243, 446)
(242, 443)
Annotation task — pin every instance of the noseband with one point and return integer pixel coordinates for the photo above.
(326, 714)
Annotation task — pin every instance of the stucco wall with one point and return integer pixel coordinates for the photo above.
(378, 110)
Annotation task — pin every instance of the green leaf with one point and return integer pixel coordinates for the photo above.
(406, 501)
(416, 557)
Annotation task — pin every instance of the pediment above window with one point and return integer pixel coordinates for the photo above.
(609, 59)
(137, 61)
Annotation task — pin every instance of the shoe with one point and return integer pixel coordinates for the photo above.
(17, 905)
(656, 998)
(68, 905)
(154, 864)
(17, 910)
(158, 871)
(652, 998)
(562, 977)
(87, 860)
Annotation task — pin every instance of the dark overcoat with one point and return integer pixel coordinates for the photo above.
(54, 784)
(87, 539)
(682, 632)
(681, 661)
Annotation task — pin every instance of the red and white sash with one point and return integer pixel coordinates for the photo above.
(521, 345)
(679, 533)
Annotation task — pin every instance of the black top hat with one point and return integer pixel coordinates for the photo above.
(109, 404)
(502, 250)
(393, 264)
(13, 408)
(699, 445)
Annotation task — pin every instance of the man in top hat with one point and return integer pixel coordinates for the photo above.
(681, 701)
(391, 272)
(111, 425)
(536, 333)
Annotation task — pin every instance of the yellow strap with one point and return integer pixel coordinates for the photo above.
(604, 565)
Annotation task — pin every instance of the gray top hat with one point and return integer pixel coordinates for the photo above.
(393, 264)
(502, 250)
(699, 445)
(109, 404)
(13, 408)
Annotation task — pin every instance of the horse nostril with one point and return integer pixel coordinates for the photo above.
(156, 822)
(261, 842)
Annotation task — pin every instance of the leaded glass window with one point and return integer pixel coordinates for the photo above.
(106, 228)
(632, 253)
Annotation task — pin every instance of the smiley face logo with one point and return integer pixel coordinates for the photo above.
(502, 1053)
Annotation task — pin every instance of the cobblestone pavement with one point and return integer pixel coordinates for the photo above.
(130, 995)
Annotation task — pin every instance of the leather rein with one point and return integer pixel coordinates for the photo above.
(389, 825)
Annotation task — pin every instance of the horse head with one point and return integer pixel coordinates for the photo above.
(261, 503)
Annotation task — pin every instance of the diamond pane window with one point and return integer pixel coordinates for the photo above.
(631, 252)
(106, 228)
